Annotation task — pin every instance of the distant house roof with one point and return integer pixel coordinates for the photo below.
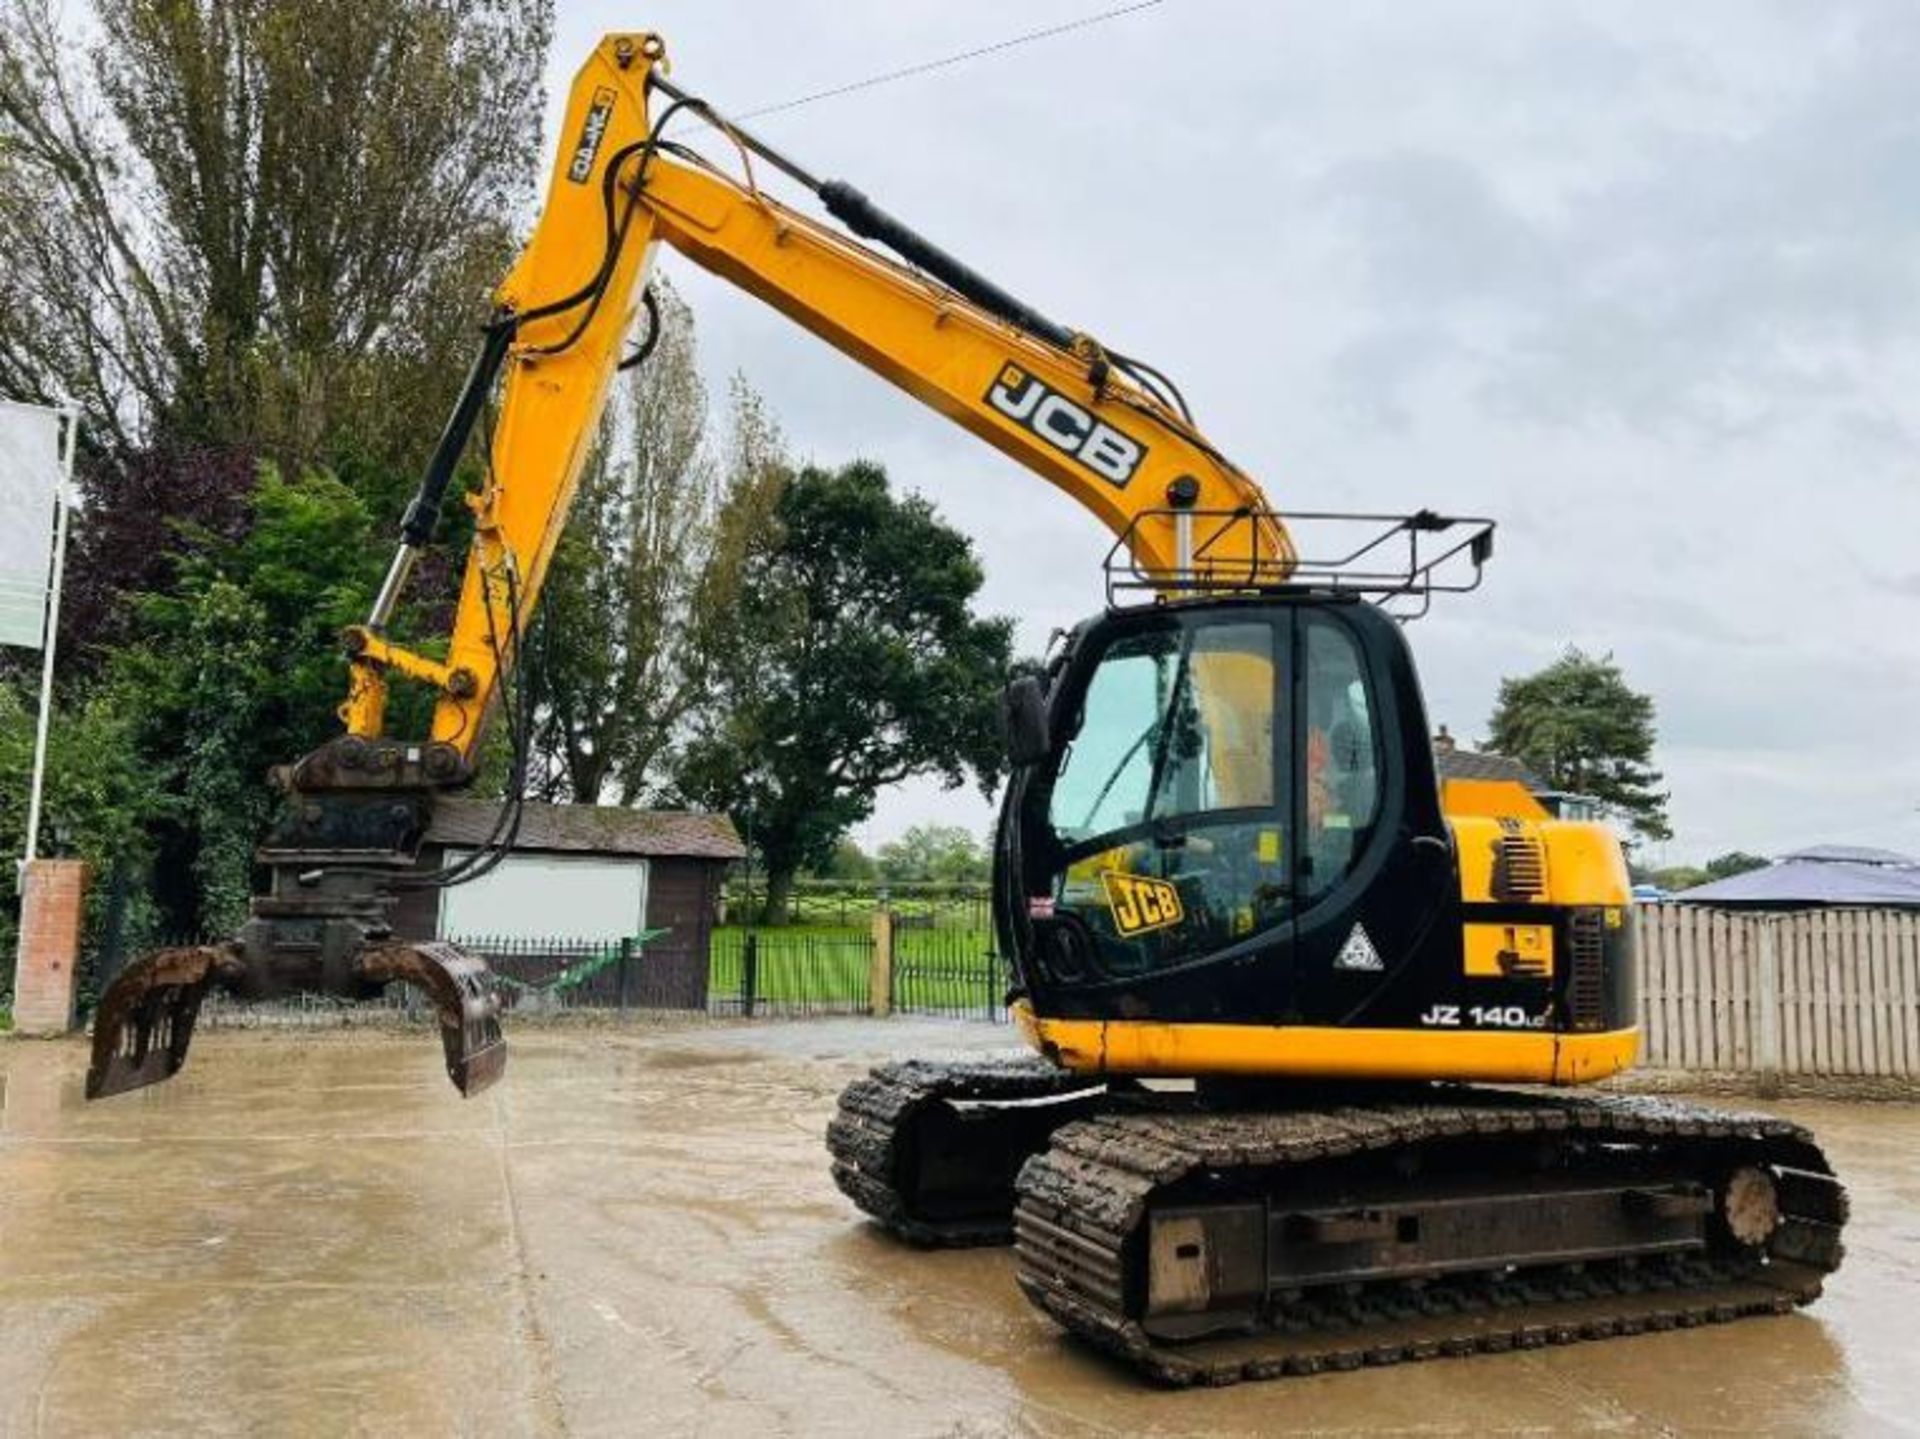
(1828, 874)
(591, 829)
(1854, 854)
(1457, 763)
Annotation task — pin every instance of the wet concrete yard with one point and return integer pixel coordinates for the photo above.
(635, 1233)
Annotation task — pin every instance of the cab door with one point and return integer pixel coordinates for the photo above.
(1375, 878)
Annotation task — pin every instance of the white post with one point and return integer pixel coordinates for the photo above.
(60, 506)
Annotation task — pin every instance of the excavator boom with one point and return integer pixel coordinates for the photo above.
(1105, 429)
(1092, 423)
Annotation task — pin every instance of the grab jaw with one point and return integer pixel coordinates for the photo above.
(145, 1022)
(343, 848)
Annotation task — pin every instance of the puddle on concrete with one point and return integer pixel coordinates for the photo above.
(667, 1057)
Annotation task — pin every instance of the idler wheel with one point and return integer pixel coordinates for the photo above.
(1750, 1206)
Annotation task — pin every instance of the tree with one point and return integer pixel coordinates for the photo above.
(1672, 878)
(620, 659)
(1579, 726)
(850, 863)
(852, 661)
(237, 668)
(934, 853)
(100, 798)
(261, 221)
(1727, 865)
(142, 515)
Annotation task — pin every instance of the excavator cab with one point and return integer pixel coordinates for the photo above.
(1227, 790)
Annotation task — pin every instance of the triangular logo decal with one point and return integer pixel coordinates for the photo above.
(1358, 952)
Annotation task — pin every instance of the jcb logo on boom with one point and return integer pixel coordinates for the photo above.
(1140, 904)
(592, 131)
(1065, 425)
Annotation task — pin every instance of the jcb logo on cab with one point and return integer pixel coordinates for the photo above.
(1141, 904)
(1066, 426)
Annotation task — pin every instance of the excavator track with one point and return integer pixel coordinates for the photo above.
(1214, 1246)
(930, 1149)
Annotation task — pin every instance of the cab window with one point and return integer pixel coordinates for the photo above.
(1341, 754)
(1216, 745)
(1174, 724)
(1167, 813)
(1105, 776)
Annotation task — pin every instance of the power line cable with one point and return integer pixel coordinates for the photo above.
(928, 66)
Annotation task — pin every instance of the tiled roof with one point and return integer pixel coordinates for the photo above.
(1467, 764)
(591, 829)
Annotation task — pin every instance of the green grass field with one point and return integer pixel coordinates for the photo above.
(828, 967)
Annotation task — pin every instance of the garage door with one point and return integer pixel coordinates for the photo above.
(549, 896)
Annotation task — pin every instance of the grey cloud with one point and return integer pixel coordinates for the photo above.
(1725, 278)
(1642, 282)
(1433, 234)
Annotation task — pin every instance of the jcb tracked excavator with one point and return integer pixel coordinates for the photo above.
(1302, 1036)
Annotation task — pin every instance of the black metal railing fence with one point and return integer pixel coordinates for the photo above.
(756, 972)
(614, 974)
(746, 972)
(948, 972)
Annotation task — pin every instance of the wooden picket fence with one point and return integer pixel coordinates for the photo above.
(1832, 992)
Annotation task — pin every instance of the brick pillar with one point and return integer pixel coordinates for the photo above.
(52, 900)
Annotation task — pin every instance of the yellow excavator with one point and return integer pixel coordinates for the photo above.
(1303, 1040)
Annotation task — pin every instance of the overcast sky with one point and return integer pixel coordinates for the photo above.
(1641, 281)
